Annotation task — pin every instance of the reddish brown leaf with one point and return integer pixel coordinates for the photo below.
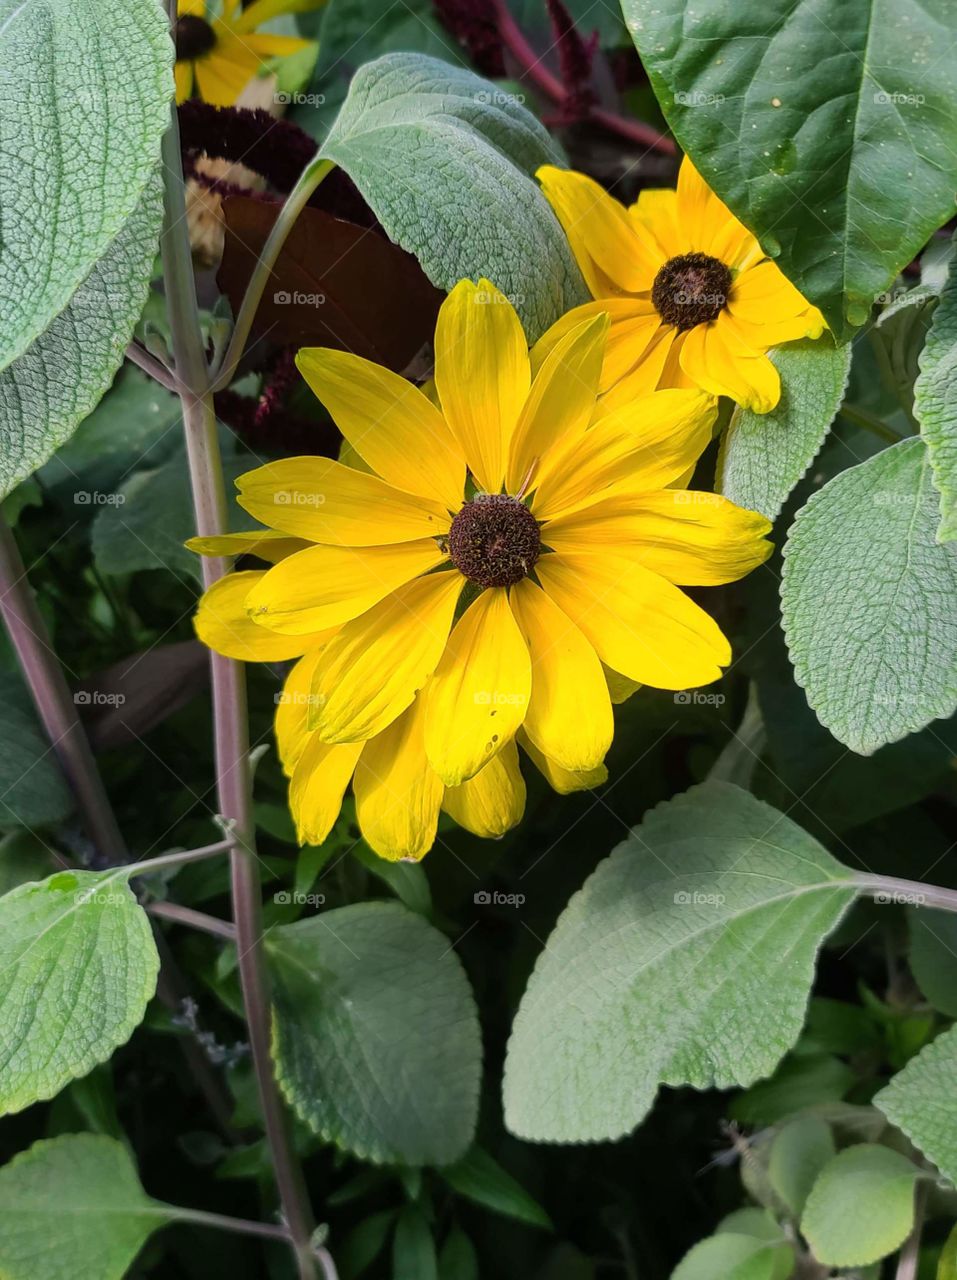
(335, 285)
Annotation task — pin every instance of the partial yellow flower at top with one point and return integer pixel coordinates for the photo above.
(504, 559)
(694, 301)
(216, 57)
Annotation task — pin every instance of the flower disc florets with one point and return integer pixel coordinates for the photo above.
(691, 289)
(494, 540)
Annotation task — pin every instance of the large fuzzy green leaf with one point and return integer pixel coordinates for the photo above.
(59, 379)
(86, 92)
(77, 966)
(376, 1038)
(869, 599)
(826, 125)
(935, 404)
(922, 1100)
(445, 159)
(686, 958)
(861, 1207)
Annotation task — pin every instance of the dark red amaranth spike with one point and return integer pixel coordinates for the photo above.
(473, 24)
(575, 57)
(266, 425)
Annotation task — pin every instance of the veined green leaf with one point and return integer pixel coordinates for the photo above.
(861, 1207)
(935, 404)
(922, 1101)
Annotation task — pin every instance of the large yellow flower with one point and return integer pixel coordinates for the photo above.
(504, 558)
(693, 299)
(217, 57)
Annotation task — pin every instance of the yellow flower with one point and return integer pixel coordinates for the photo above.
(500, 551)
(693, 299)
(217, 57)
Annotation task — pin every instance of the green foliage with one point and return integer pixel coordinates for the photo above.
(466, 204)
(861, 1207)
(826, 127)
(85, 343)
(686, 958)
(933, 956)
(77, 966)
(413, 1250)
(749, 1245)
(73, 1206)
(80, 142)
(480, 1178)
(922, 1101)
(32, 790)
(799, 1152)
(376, 1038)
(867, 599)
(764, 455)
(935, 404)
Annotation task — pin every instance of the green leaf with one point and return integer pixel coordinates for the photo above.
(861, 1207)
(364, 1243)
(445, 160)
(376, 1038)
(933, 956)
(686, 958)
(801, 1080)
(947, 1266)
(84, 344)
(480, 1178)
(77, 966)
(764, 455)
(87, 87)
(407, 880)
(73, 1206)
(868, 600)
(798, 1154)
(826, 125)
(32, 790)
(922, 1101)
(413, 1250)
(731, 1256)
(457, 1260)
(935, 404)
(23, 856)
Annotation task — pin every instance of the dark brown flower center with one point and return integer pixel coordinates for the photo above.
(194, 37)
(690, 290)
(494, 540)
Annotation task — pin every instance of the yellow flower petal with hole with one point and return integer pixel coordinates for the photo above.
(267, 544)
(692, 539)
(398, 795)
(373, 668)
(599, 230)
(389, 422)
(569, 715)
(717, 358)
(640, 625)
(221, 622)
(318, 784)
(644, 445)
(324, 587)
(292, 709)
(482, 375)
(479, 694)
(319, 499)
(493, 801)
(559, 779)
(561, 401)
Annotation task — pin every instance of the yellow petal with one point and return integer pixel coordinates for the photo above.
(318, 784)
(692, 539)
(634, 322)
(183, 76)
(708, 225)
(640, 625)
(270, 46)
(493, 801)
(325, 586)
(389, 422)
(398, 794)
(260, 12)
(324, 501)
(559, 779)
(223, 625)
(371, 671)
(478, 696)
(768, 310)
(561, 401)
(481, 375)
(599, 230)
(292, 710)
(267, 544)
(656, 213)
(718, 359)
(569, 715)
(646, 376)
(223, 73)
(644, 445)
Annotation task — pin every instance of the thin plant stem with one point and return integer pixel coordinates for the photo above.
(54, 701)
(192, 919)
(294, 204)
(149, 364)
(178, 858)
(241, 1226)
(892, 889)
(229, 697)
(861, 418)
(909, 1259)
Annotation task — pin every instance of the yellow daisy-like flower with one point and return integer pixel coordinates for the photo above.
(694, 301)
(217, 57)
(506, 563)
